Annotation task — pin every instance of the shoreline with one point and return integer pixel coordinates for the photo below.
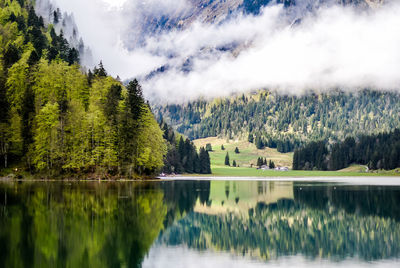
(351, 180)
(383, 180)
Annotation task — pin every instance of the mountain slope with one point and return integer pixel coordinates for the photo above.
(150, 22)
(286, 122)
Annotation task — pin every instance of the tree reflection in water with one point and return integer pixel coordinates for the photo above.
(275, 219)
(116, 224)
(79, 225)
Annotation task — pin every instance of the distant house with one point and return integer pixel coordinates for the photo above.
(264, 167)
(282, 169)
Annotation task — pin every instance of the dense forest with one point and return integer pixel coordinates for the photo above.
(55, 117)
(182, 155)
(381, 151)
(287, 122)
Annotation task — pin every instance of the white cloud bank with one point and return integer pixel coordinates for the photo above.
(335, 47)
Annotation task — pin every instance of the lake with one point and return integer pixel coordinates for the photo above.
(201, 223)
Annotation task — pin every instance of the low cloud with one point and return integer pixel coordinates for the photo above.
(333, 47)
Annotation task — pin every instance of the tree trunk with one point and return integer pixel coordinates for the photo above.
(5, 160)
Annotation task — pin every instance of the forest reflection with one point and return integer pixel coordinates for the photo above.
(115, 224)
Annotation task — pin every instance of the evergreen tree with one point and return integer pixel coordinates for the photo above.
(259, 143)
(135, 98)
(237, 150)
(112, 102)
(181, 148)
(100, 71)
(4, 123)
(376, 151)
(250, 138)
(204, 161)
(208, 147)
(11, 56)
(90, 77)
(296, 160)
(259, 162)
(271, 164)
(222, 147)
(227, 162)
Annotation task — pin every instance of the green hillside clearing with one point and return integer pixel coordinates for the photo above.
(249, 153)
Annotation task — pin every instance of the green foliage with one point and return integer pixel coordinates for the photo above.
(182, 156)
(296, 227)
(287, 122)
(311, 156)
(227, 162)
(151, 147)
(259, 143)
(204, 162)
(259, 162)
(45, 147)
(209, 147)
(377, 151)
(56, 119)
(263, 162)
(100, 71)
(78, 226)
(237, 150)
(222, 147)
(271, 164)
(251, 138)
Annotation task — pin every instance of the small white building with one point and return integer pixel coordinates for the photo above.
(265, 167)
(282, 169)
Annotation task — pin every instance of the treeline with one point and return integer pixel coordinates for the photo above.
(287, 122)
(182, 155)
(381, 151)
(55, 118)
(263, 162)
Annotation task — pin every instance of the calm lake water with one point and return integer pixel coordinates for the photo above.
(213, 223)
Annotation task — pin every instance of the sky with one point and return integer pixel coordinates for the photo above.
(334, 47)
(115, 3)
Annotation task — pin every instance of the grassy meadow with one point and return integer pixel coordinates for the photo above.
(249, 153)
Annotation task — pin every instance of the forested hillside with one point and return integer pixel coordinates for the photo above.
(287, 122)
(182, 155)
(380, 151)
(55, 117)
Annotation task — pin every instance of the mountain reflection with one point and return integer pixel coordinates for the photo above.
(271, 219)
(116, 224)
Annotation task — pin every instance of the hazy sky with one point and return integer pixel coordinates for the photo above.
(336, 47)
(115, 3)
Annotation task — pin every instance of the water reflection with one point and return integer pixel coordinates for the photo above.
(116, 224)
(243, 196)
(89, 225)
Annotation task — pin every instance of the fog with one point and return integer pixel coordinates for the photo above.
(333, 47)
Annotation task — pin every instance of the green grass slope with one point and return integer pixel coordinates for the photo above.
(249, 153)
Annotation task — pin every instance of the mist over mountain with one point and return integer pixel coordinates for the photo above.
(153, 17)
(182, 50)
(65, 22)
